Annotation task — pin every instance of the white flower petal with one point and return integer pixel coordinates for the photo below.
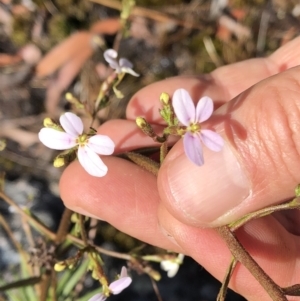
(101, 144)
(170, 267)
(212, 140)
(171, 273)
(91, 162)
(119, 285)
(71, 123)
(166, 265)
(110, 56)
(193, 148)
(204, 109)
(129, 71)
(56, 140)
(184, 107)
(98, 297)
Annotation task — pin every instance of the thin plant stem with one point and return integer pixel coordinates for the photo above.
(241, 255)
(82, 230)
(293, 204)
(34, 223)
(64, 225)
(226, 280)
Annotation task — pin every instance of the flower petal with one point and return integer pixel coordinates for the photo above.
(110, 56)
(101, 145)
(98, 297)
(119, 285)
(56, 140)
(71, 123)
(123, 272)
(184, 107)
(170, 267)
(212, 140)
(125, 63)
(129, 71)
(91, 162)
(126, 67)
(193, 148)
(204, 109)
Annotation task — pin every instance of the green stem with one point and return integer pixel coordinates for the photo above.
(33, 222)
(293, 204)
(226, 280)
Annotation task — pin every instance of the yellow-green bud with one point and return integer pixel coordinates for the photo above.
(69, 96)
(155, 275)
(49, 123)
(164, 98)
(59, 162)
(95, 274)
(297, 190)
(74, 218)
(59, 266)
(145, 127)
(141, 122)
(2, 144)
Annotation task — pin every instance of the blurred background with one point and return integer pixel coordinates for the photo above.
(51, 47)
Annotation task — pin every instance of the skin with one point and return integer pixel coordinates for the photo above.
(266, 92)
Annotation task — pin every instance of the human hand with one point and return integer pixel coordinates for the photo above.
(258, 167)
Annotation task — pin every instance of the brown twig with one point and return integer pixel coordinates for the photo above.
(64, 225)
(241, 255)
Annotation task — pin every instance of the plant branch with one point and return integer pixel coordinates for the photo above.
(241, 255)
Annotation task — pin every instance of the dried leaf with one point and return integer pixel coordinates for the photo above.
(64, 52)
(65, 77)
(108, 26)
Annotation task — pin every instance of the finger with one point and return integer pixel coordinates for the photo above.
(258, 166)
(221, 85)
(269, 244)
(126, 197)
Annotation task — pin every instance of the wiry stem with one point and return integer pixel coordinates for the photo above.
(241, 255)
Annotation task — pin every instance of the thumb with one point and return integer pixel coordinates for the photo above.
(258, 166)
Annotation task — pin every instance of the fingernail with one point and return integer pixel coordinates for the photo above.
(204, 194)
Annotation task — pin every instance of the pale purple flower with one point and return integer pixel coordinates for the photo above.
(116, 287)
(73, 137)
(119, 285)
(121, 66)
(191, 117)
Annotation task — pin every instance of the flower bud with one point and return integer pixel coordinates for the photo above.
(164, 98)
(49, 123)
(60, 266)
(59, 162)
(2, 144)
(145, 127)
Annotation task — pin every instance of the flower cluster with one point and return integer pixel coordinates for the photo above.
(191, 117)
(70, 136)
(115, 287)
